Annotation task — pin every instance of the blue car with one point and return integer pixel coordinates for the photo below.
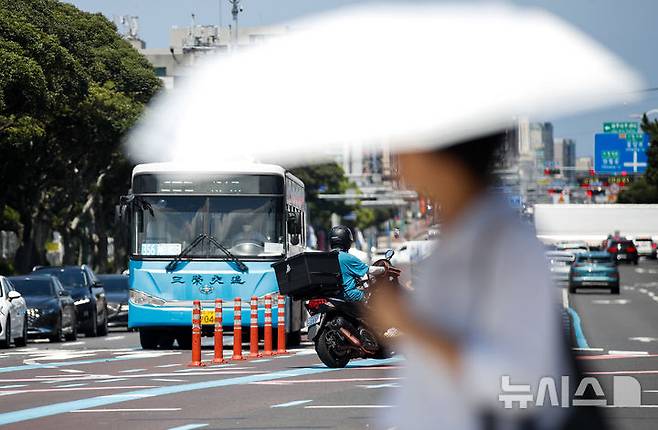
(594, 270)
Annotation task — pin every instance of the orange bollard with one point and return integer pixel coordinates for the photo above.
(253, 334)
(196, 335)
(281, 325)
(268, 327)
(219, 334)
(237, 330)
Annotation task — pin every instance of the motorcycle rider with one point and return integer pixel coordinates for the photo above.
(351, 268)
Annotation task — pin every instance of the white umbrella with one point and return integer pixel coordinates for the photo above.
(410, 77)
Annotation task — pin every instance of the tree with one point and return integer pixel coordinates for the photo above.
(645, 188)
(70, 87)
(328, 178)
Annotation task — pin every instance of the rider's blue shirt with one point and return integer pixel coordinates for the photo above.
(351, 268)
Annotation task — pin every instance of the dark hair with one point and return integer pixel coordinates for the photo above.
(481, 155)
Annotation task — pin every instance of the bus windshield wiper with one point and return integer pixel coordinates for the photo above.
(241, 266)
(173, 263)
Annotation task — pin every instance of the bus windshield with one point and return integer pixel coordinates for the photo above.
(246, 225)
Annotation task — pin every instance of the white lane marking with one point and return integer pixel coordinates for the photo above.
(81, 342)
(71, 371)
(115, 337)
(639, 270)
(212, 368)
(189, 427)
(129, 410)
(393, 385)
(321, 381)
(131, 370)
(261, 360)
(112, 380)
(643, 339)
(168, 380)
(13, 386)
(169, 365)
(70, 385)
(614, 352)
(305, 352)
(348, 406)
(289, 404)
(129, 396)
(57, 390)
(588, 349)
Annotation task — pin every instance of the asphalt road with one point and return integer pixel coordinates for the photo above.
(109, 382)
(620, 338)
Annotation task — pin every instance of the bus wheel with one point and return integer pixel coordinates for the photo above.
(148, 338)
(184, 340)
(294, 339)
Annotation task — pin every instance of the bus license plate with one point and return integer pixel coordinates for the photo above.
(313, 320)
(208, 317)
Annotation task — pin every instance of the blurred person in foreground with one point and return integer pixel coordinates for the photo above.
(475, 315)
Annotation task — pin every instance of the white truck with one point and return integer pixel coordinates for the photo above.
(592, 223)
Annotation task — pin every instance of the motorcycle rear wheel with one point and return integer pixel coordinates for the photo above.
(326, 353)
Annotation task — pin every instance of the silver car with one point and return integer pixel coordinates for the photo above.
(560, 265)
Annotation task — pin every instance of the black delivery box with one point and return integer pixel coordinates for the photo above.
(309, 274)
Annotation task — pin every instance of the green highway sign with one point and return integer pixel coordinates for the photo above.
(621, 127)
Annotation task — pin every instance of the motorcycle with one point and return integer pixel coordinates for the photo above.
(338, 328)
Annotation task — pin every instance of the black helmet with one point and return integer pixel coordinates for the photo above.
(340, 237)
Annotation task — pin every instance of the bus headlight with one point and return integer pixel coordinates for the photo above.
(141, 298)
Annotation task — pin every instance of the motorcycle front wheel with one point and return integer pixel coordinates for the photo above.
(324, 346)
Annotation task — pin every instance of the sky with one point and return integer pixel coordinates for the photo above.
(627, 28)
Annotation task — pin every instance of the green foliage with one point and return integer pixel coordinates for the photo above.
(326, 178)
(70, 88)
(645, 188)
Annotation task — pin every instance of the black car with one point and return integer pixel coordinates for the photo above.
(88, 295)
(116, 293)
(50, 308)
(623, 250)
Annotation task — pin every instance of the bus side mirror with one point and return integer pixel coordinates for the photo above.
(294, 223)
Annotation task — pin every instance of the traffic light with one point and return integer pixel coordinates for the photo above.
(551, 171)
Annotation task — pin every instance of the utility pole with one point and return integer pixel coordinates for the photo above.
(234, 11)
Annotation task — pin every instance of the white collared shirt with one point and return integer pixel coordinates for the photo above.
(486, 286)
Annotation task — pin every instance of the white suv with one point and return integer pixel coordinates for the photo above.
(13, 315)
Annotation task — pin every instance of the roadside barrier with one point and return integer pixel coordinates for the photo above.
(268, 327)
(237, 330)
(253, 335)
(219, 334)
(196, 335)
(281, 325)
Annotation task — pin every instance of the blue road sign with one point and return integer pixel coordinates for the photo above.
(614, 154)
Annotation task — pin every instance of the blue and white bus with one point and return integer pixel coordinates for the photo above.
(202, 234)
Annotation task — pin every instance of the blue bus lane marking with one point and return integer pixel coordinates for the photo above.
(92, 402)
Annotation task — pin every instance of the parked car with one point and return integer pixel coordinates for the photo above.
(51, 311)
(594, 270)
(116, 293)
(623, 250)
(13, 315)
(560, 265)
(88, 295)
(646, 247)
